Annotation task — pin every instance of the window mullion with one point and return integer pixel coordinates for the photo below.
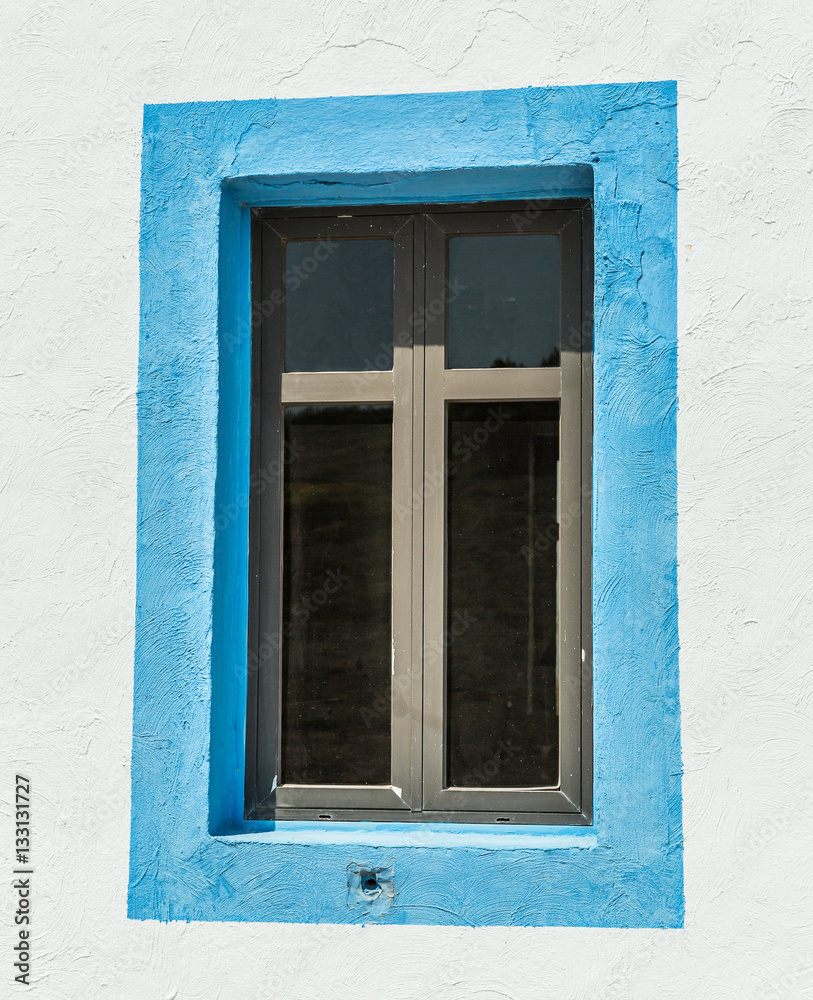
(433, 496)
(570, 517)
(402, 701)
(262, 767)
(586, 498)
(415, 506)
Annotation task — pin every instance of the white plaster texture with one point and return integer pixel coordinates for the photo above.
(74, 78)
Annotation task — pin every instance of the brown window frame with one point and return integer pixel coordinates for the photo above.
(419, 387)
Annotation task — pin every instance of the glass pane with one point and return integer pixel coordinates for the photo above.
(336, 659)
(338, 305)
(503, 301)
(501, 657)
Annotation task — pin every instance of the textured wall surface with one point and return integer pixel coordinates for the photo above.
(75, 78)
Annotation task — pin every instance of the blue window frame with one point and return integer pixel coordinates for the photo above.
(192, 856)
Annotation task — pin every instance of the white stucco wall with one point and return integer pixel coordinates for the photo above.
(73, 79)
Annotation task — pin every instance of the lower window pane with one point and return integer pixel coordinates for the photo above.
(337, 553)
(501, 617)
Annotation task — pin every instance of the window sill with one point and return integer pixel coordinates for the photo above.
(425, 835)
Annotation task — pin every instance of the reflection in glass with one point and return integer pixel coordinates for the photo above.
(336, 595)
(501, 657)
(338, 305)
(503, 301)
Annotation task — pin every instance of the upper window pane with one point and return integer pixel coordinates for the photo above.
(339, 305)
(503, 301)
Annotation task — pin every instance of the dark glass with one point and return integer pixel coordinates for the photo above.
(503, 301)
(337, 553)
(338, 305)
(501, 657)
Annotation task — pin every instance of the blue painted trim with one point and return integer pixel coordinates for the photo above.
(191, 854)
(529, 838)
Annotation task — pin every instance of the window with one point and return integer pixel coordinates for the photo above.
(193, 853)
(421, 430)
